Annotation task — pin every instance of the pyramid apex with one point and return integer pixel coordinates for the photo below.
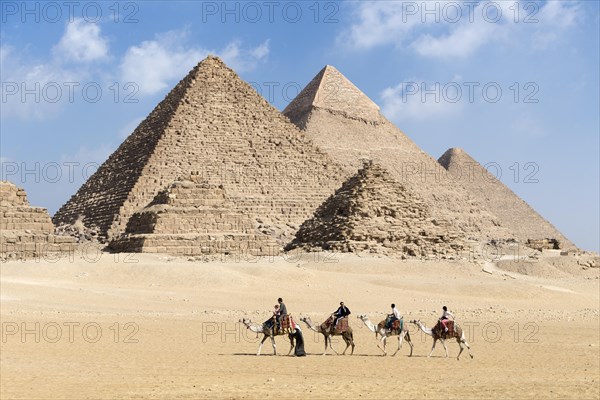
(454, 151)
(331, 90)
(451, 155)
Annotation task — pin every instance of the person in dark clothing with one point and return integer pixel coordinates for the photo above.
(282, 311)
(341, 312)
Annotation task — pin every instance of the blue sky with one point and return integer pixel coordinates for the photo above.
(78, 78)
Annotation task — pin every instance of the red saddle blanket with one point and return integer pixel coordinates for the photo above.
(342, 325)
(287, 323)
(449, 325)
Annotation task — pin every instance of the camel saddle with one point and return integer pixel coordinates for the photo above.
(449, 325)
(342, 325)
(287, 324)
(397, 325)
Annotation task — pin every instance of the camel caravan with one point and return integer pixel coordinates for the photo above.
(281, 323)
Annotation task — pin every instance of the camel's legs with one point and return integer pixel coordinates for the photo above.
(331, 345)
(468, 347)
(274, 346)
(410, 343)
(432, 347)
(325, 350)
(384, 341)
(399, 345)
(461, 348)
(347, 341)
(261, 344)
(445, 348)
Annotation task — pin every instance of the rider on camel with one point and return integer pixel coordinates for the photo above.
(341, 312)
(395, 315)
(445, 316)
(273, 322)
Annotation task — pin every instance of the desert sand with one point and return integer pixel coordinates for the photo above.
(156, 326)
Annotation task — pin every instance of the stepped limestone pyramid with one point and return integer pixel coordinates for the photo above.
(373, 212)
(26, 231)
(348, 126)
(193, 218)
(217, 127)
(528, 225)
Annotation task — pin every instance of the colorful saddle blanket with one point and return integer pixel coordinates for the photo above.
(342, 325)
(397, 325)
(288, 324)
(449, 325)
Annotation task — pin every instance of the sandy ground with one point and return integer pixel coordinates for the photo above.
(143, 326)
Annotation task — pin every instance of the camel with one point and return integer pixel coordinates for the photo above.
(268, 333)
(323, 329)
(437, 333)
(380, 330)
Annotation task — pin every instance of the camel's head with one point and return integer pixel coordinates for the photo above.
(245, 321)
(415, 321)
(304, 319)
(362, 317)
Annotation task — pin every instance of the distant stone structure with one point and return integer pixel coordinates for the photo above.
(529, 227)
(347, 125)
(217, 127)
(26, 231)
(373, 212)
(215, 169)
(192, 219)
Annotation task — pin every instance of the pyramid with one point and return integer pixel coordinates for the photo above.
(529, 227)
(26, 231)
(373, 212)
(193, 218)
(347, 125)
(217, 127)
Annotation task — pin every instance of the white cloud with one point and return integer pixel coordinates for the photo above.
(30, 88)
(554, 18)
(461, 42)
(379, 23)
(155, 64)
(243, 59)
(415, 100)
(406, 23)
(82, 42)
(38, 88)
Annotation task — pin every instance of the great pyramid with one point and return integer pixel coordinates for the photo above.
(514, 212)
(373, 212)
(26, 231)
(193, 218)
(217, 127)
(347, 125)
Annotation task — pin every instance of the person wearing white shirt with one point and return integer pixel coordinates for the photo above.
(393, 316)
(445, 316)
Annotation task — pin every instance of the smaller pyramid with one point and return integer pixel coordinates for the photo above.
(330, 90)
(518, 216)
(191, 219)
(26, 231)
(373, 212)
